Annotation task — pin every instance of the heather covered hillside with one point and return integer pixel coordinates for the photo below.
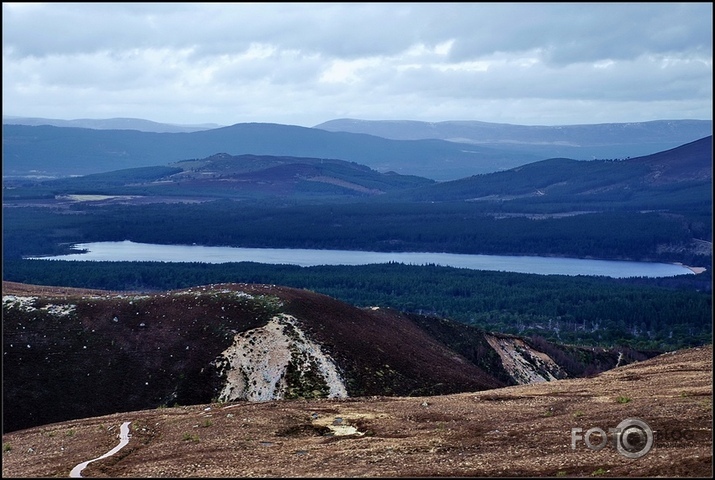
(538, 428)
(675, 179)
(70, 353)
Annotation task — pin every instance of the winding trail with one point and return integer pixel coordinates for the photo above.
(123, 441)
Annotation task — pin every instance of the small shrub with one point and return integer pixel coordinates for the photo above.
(623, 399)
(189, 437)
(6, 447)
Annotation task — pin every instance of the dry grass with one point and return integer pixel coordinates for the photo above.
(513, 431)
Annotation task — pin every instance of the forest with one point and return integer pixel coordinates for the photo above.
(579, 310)
(452, 227)
(661, 314)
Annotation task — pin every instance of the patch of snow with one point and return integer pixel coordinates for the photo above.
(59, 310)
(27, 304)
(22, 303)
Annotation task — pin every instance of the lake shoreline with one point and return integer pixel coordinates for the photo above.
(129, 251)
(695, 270)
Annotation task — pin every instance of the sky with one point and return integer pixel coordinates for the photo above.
(307, 63)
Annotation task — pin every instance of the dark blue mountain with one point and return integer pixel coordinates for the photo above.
(580, 142)
(57, 151)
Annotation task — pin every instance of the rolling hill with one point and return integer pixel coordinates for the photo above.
(653, 208)
(674, 178)
(439, 151)
(70, 353)
(237, 177)
(109, 124)
(64, 151)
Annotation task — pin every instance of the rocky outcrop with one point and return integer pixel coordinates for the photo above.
(277, 361)
(524, 363)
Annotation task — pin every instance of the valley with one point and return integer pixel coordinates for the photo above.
(337, 240)
(656, 208)
(287, 367)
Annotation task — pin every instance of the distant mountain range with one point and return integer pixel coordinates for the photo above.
(110, 124)
(440, 151)
(579, 142)
(61, 151)
(679, 177)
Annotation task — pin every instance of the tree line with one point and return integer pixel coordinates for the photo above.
(449, 227)
(577, 310)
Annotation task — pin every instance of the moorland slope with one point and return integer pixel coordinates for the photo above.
(516, 431)
(71, 354)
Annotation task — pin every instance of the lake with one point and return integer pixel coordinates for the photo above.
(128, 251)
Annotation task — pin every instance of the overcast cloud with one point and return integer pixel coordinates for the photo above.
(307, 63)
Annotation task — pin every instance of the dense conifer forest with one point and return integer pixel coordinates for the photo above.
(580, 310)
(427, 227)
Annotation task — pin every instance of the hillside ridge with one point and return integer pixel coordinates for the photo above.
(247, 342)
(575, 135)
(47, 150)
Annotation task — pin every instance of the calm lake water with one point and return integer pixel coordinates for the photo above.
(127, 251)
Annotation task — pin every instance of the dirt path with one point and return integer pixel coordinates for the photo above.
(123, 441)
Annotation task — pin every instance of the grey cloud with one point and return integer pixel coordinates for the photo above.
(573, 33)
(225, 62)
(565, 32)
(647, 78)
